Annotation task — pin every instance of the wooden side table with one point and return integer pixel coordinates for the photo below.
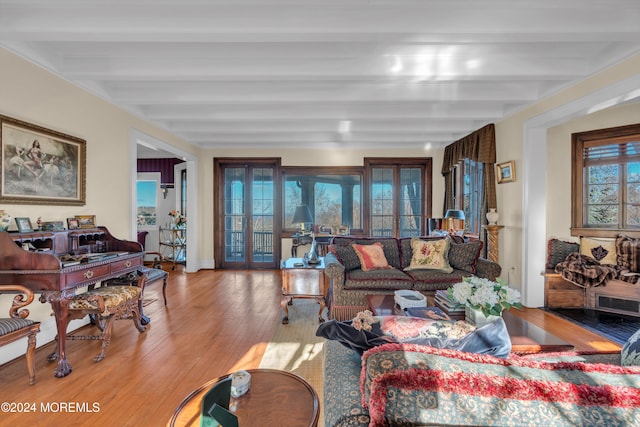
(275, 398)
(303, 280)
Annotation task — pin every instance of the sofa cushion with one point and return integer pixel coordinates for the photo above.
(427, 385)
(430, 255)
(371, 256)
(388, 278)
(431, 280)
(603, 251)
(558, 250)
(628, 253)
(341, 388)
(464, 256)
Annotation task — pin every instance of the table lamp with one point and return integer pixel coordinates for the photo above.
(302, 216)
(455, 219)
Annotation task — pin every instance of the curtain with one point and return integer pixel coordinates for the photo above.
(479, 146)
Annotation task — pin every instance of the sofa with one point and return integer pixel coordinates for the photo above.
(406, 268)
(404, 385)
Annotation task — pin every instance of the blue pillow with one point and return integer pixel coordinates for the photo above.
(630, 355)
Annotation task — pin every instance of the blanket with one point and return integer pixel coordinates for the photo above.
(585, 271)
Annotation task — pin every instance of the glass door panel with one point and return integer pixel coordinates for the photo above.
(234, 215)
(262, 222)
(410, 201)
(382, 195)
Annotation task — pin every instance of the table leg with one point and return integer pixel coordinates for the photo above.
(60, 307)
(320, 301)
(286, 300)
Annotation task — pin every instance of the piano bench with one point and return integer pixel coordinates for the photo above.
(106, 304)
(17, 326)
(153, 275)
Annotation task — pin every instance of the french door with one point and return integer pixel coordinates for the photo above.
(246, 209)
(398, 200)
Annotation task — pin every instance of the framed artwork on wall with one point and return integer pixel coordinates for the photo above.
(41, 166)
(506, 172)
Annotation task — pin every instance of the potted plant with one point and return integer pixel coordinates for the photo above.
(483, 299)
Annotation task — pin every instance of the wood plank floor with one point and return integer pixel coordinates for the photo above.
(215, 322)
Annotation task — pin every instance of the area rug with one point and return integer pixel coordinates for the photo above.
(616, 327)
(296, 348)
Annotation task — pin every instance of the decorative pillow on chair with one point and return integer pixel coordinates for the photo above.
(371, 256)
(628, 253)
(430, 255)
(558, 250)
(603, 251)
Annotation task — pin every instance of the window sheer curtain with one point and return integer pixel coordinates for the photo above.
(479, 146)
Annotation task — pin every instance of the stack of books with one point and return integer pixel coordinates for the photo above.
(449, 307)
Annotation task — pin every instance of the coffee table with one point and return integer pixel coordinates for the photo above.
(525, 336)
(301, 279)
(276, 398)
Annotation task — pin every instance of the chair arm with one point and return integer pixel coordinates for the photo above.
(157, 261)
(487, 269)
(24, 298)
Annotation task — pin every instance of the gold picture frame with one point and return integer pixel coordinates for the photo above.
(41, 166)
(86, 221)
(506, 172)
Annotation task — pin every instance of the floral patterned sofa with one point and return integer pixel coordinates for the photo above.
(351, 283)
(404, 384)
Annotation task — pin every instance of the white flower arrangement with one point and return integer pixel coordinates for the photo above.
(492, 298)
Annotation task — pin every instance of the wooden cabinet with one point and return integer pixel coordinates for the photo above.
(560, 293)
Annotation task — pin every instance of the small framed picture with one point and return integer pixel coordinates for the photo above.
(52, 226)
(86, 221)
(73, 224)
(343, 230)
(506, 172)
(24, 225)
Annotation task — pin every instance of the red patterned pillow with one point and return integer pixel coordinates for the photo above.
(371, 256)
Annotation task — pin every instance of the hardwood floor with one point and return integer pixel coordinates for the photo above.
(215, 322)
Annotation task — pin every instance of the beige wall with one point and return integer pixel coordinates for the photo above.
(32, 94)
(559, 158)
(570, 109)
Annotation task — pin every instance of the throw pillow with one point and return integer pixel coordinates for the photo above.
(628, 253)
(430, 255)
(558, 250)
(346, 255)
(630, 354)
(603, 251)
(371, 256)
(463, 256)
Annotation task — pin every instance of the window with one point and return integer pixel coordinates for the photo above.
(606, 184)
(147, 200)
(471, 195)
(334, 198)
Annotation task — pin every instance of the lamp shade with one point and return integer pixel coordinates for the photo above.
(454, 214)
(302, 215)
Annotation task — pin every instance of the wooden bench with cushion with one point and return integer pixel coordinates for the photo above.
(17, 326)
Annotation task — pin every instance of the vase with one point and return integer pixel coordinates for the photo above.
(492, 216)
(5, 220)
(476, 317)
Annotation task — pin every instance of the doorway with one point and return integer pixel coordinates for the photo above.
(247, 208)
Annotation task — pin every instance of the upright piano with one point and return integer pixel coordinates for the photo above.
(56, 263)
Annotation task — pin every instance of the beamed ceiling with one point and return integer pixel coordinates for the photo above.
(327, 73)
